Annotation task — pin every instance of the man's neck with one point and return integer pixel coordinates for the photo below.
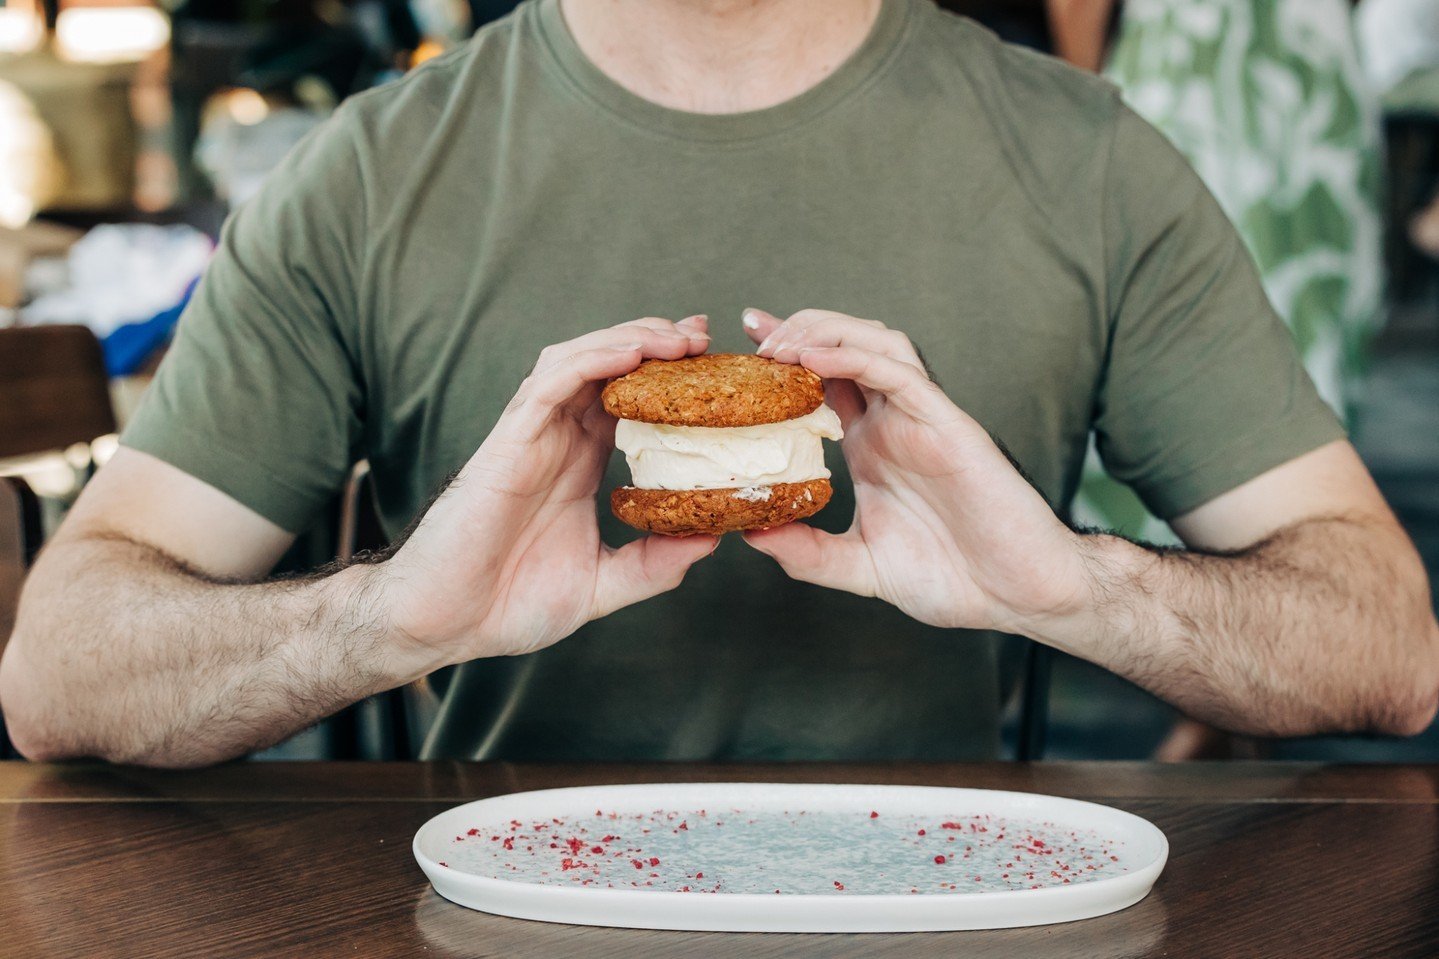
(719, 56)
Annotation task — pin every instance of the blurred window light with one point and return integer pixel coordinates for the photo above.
(246, 107)
(30, 169)
(427, 50)
(20, 30)
(110, 34)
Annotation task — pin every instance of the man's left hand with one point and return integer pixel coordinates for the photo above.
(945, 526)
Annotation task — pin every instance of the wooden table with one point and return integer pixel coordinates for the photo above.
(284, 859)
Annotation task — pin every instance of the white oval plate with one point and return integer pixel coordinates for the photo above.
(844, 858)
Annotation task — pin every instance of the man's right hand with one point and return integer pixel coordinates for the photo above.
(146, 636)
(509, 559)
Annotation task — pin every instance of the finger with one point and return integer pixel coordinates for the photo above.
(900, 383)
(758, 324)
(813, 556)
(699, 323)
(822, 328)
(845, 399)
(645, 568)
(657, 343)
(576, 378)
(665, 339)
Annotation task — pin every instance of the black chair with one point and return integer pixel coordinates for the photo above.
(54, 387)
(19, 542)
(381, 727)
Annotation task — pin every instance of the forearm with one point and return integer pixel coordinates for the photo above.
(1324, 627)
(122, 653)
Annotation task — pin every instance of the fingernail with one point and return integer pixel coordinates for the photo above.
(750, 319)
(626, 347)
(766, 346)
(697, 316)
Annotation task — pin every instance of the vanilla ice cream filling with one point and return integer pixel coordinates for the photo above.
(706, 457)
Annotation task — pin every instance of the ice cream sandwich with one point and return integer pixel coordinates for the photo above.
(720, 443)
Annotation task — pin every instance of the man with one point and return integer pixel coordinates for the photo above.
(584, 162)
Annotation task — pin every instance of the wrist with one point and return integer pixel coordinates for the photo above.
(369, 599)
(1105, 603)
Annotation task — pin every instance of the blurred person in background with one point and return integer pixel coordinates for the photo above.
(1268, 100)
(1400, 43)
(580, 164)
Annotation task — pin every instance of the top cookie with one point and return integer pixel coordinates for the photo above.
(720, 389)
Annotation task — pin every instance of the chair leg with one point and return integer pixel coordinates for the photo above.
(398, 709)
(1034, 707)
(7, 748)
(342, 734)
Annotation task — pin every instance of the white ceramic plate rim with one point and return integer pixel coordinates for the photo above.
(794, 912)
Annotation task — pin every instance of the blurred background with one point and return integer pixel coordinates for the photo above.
(129, 129)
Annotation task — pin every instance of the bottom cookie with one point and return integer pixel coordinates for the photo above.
(718, 511)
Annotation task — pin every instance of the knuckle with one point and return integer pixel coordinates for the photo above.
(522, 396)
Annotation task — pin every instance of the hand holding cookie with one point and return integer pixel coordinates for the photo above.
(945, 527)
(509, 559)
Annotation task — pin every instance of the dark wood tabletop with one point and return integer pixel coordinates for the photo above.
(288, 859)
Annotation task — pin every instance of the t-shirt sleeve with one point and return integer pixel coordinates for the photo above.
(260, 394)
(1203, 387)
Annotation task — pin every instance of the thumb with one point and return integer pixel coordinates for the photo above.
(758, 324)
(645, 568)
(813, 556)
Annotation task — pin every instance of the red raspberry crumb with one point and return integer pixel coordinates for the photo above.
(637, 864)
(939, 859)
(509, 842)
(873, 814)
(654, 861)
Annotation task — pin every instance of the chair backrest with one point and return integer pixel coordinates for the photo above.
(383, 726)
(19, 540)
(53, 389)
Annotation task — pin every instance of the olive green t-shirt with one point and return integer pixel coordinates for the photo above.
(1057, 262)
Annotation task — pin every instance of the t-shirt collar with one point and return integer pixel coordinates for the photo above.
(862, 67)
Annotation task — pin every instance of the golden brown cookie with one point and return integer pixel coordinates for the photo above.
(723, 389)
(718, 511)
